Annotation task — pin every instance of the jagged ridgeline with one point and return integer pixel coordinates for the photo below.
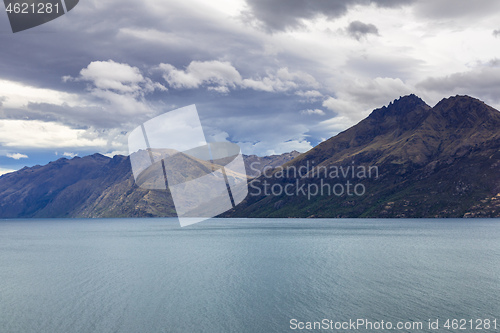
(441, 161)
(93, 186)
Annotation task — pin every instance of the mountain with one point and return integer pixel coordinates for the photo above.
(256, 164)
(406, 159)
(92, 186)
(440, 161)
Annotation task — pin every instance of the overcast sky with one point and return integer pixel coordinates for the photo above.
(270, 75)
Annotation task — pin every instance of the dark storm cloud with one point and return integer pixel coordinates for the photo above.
(279, 15)
(481, 82)
(136, 34)
(448, 10)
(125, 31)
(358, 29)
(452, 9)
(139, 35)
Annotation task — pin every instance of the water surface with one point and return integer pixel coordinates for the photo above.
(243, 275)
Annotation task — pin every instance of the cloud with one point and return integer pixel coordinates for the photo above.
(38, 134)
(19, 95)
(4, 171)
(449, 9)
(313, 112)
(310, 95)
(113, 76)
(17, 156)
(279, 147)
(115, 93)
(280, 15)
(357, 97)
(222, 76)
(70, 155)
(250, 84)
(197, 73)
(358, 29)
(116, 77)
(281, 81)
(480, 82)
(119, 96)
(494, 62)
(496, 33)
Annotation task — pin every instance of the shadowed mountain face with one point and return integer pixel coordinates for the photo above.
(431, 162)
(92, 186)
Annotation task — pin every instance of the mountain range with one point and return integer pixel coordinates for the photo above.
(93, 186)
(406, 159)
(441, 161)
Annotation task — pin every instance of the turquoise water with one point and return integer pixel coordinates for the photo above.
(244, 275)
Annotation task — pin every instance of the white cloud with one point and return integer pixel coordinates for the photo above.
(39, 134)
(118, 77)
(344, 107)
(112, 75)
(282, 80)
(309, 95)
(279, 147)
(18, 95)
(222, 76)
(332, 126)
(288, 146)
(70, 155)
(313, 112)
(116, 152)
(120, 86)
(197, 73)
(357, 97)
(16, 156)
(220, 89)
(5, 171)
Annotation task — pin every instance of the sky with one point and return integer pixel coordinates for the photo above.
(270, 75)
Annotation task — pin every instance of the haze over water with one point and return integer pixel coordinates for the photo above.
(243, 275)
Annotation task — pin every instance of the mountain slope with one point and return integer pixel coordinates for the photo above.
(92, 186)
(432, 162)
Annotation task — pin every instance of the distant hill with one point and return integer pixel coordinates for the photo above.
(92, 186)
(441, 161)
(256, 164)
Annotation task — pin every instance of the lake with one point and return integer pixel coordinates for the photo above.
(247, 275)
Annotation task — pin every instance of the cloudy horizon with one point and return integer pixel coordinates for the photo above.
(266, 75)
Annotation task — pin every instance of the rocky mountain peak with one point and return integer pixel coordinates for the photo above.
(401, 107)
(462, 112)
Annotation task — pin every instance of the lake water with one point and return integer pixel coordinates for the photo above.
(245, 275)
